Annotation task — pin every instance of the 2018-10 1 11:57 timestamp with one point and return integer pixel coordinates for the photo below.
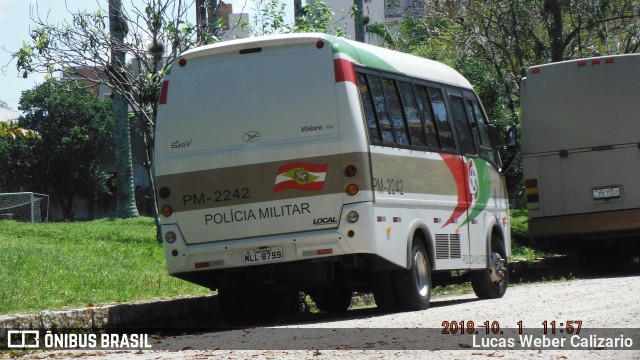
(494, 328)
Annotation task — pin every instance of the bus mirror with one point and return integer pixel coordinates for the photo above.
(494, 137)
(512, 137)
(511, 132)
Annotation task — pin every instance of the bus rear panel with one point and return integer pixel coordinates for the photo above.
(306, 162)
(580, 144)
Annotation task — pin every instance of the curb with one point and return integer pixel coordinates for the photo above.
(170, 314)
(179, 313)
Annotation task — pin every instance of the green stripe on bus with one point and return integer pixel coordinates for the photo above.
(364, 57)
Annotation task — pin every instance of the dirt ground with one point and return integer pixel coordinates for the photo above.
(604, 307)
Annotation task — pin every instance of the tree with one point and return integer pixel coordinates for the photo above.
(4, 105)
(76, 128)
(206, 19)
(316, 16)
(154, 34)
(510, 36)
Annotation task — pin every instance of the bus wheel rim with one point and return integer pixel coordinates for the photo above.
(422, 280)
(497, 268)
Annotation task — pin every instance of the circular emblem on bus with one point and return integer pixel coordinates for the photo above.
(474, 182)
(251, 136)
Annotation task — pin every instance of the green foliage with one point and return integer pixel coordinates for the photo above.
(76, 264)
(10, 129)
(520, 225)
(318, 17)
(271, 19)
(76, 130)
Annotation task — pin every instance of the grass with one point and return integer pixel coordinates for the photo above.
(520, 247)
(78, 264)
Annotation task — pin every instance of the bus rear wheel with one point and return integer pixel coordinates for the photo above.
(491, 283)
(332, 300)
(413, 285)
(382, 285)
(241, 307)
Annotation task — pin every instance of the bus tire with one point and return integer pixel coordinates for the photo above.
(413, 285)
(491, 283)
(241, 308)
(332, 300)
(383, 291)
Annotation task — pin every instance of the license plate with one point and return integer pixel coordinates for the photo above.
(263, 255)
(610, 192)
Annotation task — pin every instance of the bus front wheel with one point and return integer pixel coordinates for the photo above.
(491, 283)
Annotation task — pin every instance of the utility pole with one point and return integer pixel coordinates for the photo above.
(125, 194)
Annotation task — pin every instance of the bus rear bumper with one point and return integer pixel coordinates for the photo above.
(621, 223)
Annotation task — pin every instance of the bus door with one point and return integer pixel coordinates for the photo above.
(469, 224)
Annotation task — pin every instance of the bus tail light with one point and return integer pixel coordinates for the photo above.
(167, 211)
(164, 192)
(353, 216)
(352, 189)
(350, 171)
(164, 92)
(533, 197)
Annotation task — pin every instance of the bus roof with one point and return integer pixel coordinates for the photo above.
(598, 60)
(365, 55)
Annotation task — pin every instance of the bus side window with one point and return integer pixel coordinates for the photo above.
(411, 112)
(440, 113)
(425, 109)
(381, 109)
(395, 112)
(463, 128)
(369, 111)
(481, 131)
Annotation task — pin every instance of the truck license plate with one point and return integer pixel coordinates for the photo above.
(605, 193)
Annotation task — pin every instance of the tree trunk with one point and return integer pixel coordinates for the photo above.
(125, 196)
(553, 17)
(358, 20)
(66, 206)
(206, 18)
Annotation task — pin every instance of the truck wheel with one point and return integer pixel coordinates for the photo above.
(413, 285)
(491, 283)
